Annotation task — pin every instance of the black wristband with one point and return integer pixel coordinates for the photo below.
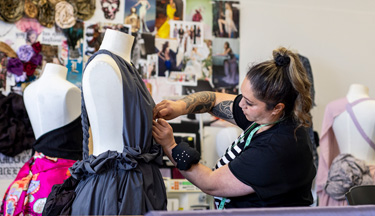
(185, 156)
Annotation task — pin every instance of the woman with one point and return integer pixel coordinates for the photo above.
(163, 31)
(31, 36)
(194, 63)
(145, 5)
(230, 26)
(164, 55)
(271, 163)
(230, 65)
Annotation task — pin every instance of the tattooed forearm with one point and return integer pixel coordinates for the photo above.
(223, 110)
(200, 102)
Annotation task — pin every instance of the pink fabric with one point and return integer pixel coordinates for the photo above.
(329, 149)
(28, 192)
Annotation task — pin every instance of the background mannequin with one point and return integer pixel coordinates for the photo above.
(52, 101)
(103, 93)
(348, 138)
(54, 108)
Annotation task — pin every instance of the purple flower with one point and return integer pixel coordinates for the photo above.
(36, 59)
(25, 52)
(15, 66)
(21, 78)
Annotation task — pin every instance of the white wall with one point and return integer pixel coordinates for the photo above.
(338, 37)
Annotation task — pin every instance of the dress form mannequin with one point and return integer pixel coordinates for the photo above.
(52, 101)
(347, 135)
(103, 93)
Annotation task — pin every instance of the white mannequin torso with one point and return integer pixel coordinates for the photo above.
(103, 93)
(52, 101)
(347, 135)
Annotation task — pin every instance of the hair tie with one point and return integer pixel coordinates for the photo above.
(282, 60)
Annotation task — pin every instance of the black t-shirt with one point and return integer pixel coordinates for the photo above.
(277, 166)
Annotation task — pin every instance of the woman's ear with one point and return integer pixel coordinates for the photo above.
(279, 108)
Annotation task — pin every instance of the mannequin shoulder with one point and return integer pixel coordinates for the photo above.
(51, 87)
(101, 65)
(30, 89)
(367, 104)
(101, 60)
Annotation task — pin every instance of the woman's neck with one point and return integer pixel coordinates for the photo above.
(270, 122)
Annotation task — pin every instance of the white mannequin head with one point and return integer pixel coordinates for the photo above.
(118, 43)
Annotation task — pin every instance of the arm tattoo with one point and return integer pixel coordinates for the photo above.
(200, 102)
(223, 111)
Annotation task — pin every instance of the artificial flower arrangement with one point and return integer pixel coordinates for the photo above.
(23, 67)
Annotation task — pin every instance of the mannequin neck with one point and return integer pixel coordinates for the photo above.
(357, 91)
(54, 71)
(118, 43)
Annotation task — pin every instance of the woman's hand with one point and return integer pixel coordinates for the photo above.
(168, 109)
(163, 134)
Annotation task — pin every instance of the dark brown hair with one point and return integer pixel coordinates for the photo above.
(283, 80)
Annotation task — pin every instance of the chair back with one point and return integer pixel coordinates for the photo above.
(361, 195)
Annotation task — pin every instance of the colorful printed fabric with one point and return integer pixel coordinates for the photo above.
(29, 191)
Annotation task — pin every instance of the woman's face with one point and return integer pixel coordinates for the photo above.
(254, 109)
(32, 38)
(225, 46)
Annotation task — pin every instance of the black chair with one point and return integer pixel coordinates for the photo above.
(361, 195)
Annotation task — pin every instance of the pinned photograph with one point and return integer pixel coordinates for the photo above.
(169, 56)
(183, 78)
(200, 11)
(109, 11)
(225, 60)
(148, 69)
(226, 19)
(198, 60)
(94, 33)
(187, 32)
(140, 14)
(167, 10)
(144, 44)
(74, 60)
(152, 66)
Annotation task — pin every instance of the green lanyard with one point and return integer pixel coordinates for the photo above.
(253, 131)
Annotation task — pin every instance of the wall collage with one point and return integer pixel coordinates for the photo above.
(181, 46)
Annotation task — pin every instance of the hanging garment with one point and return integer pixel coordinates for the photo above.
(346, 172)
(329, 148)
(27, 194)
(113, 183)
(306, 64)
(16, 133)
